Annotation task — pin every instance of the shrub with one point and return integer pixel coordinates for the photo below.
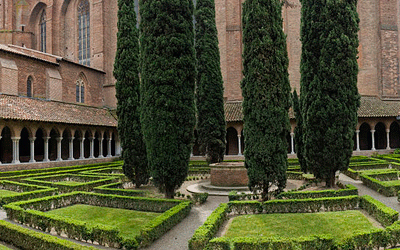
(347, 191)
(382, 213)
(200, 197)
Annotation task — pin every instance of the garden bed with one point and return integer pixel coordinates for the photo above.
(33, 213)
(384, 182)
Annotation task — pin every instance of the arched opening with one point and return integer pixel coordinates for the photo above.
(113, 144)
(65, 144)
(24, 146)
(6, 146)
(80, 89)
(394, 135)
(105, 144)
(96, 144)
(84, 32)
(232, 147)
(77, 144)
(365, 137)
(86, 143)
(380, 136)
(53, 145)
(29, 82)
(42, 30)
(39, 145)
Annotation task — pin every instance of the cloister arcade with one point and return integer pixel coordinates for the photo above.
(22, 142)
(370, 135)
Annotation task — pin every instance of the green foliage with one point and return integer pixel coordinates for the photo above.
(200, 198)
(168, 80)
(24, 238)
(209, 89)
(382, 213)
(349, 190)
(385, 187)
(126, 72)
(117, 189)
(329, 95)
(266, 91)
(206, 232)
(298, 131)
(32, 213)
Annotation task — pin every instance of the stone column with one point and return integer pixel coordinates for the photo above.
(15, 144)
(71, 148)
(0, 140)
(109, 147)
(101, 146)
(358, 140)
(292, 143)
(388, 139)
(373, 139)
(32, 142)
(240, 144)
(118, 148)
(91, 140)
(59, 139)
(82, 148)
(46, 149)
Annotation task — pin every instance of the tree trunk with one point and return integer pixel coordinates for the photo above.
(169, 193)
(330, 180)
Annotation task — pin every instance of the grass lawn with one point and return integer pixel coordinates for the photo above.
(4, 192)
(70, 182)
(391, 183)
(338, 224)
(4, 247)
(129, 222)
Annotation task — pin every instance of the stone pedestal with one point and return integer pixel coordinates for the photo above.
(229, 174)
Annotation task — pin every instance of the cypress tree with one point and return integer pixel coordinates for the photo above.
(126, 71)
(266, 93)
(331, 114)
(210, 90)
(167, 89)
(298, 131)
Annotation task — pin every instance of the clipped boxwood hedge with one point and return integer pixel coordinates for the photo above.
(87, 182)
(383, 187)
(24, 238)
(117, 189)
(203, 236)
(32, 213)
(348, 190)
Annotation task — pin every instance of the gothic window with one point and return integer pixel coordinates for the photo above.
(84, 32)
(80, 90)
(42, 25)
(29, 87)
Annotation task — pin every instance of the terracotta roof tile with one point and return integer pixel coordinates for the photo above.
(22, 108)
(369, 107)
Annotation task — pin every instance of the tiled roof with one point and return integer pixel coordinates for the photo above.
(369, 107)
(28, 109)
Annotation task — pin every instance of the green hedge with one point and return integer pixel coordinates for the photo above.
(42, 171)
(88, 182)
(382, 187)
(117, 189)
(202, 238)
(24, 238)
(362, 158)
(32, 213)
(25, 191)
(295, 175)
(206, 232)
(348, 190)
(382, 213)
(200, 198)
(356, 169)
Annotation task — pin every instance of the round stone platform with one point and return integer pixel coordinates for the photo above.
(206, 187)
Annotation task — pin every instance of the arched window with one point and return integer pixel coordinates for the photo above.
(80, 90)
(84, 32)
(29, 87)
(42, 25)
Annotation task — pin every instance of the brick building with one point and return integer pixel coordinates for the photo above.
(57, 91)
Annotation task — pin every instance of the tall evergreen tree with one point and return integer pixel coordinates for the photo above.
(168, 80)
(126, 71)
(298, 131)
(266, 93)
(331, 98)
(210, 90)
